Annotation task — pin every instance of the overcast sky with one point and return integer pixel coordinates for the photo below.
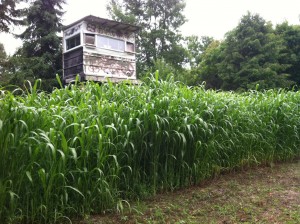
(205, 17)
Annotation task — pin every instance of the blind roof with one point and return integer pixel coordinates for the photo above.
(107, 23)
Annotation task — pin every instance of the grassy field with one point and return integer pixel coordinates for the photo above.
(260, 195)
(88, 148)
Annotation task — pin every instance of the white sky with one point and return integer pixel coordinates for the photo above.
(205, 17)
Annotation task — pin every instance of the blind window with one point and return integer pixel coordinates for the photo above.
(73, 42)
(111, 43)
(90, 39)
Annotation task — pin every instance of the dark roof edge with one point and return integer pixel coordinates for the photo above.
(86, 18)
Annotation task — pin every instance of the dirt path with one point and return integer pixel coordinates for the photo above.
(259, 195)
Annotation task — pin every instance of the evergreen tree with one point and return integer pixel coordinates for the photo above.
(159, 37)
(250, 56)
(10, 14)
(3, 54)
(41, 53)
(3, 59)
(291, 52)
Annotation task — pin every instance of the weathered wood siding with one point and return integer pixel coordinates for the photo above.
(73, 64)
(92, 59)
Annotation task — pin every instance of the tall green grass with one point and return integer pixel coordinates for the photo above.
(87, 148)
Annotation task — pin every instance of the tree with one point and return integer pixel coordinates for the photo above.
(195, 48)
(159, 37)
(208, 71)
(290, 54)
(10, 15)
(3, 59)
(41, 53)
(3, 54)
(250, 56)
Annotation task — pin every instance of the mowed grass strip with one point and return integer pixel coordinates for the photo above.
(89, 148)
(265, 194)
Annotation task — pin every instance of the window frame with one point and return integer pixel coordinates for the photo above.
(108, 38)
(90, 35)
(73, 38)
(126, 47)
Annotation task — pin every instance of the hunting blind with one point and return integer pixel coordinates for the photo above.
(97, 49)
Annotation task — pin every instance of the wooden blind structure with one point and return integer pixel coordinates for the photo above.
(99, 49)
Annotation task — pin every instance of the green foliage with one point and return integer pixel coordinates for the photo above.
(251, 55)
(3, 65)
(207, 69)
(10, 14)
(168, 72)
(159, 36)
(195, 48)
(165, 70)
(3, 55)
(290, 54)
(86, 148)
(41, 53)
(3, 58)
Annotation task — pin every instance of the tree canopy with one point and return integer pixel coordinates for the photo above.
(160, 22)
(290, 54)
(41, 53)
(3, 58)
(255, 54)
(249, 57)
(10, 14)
